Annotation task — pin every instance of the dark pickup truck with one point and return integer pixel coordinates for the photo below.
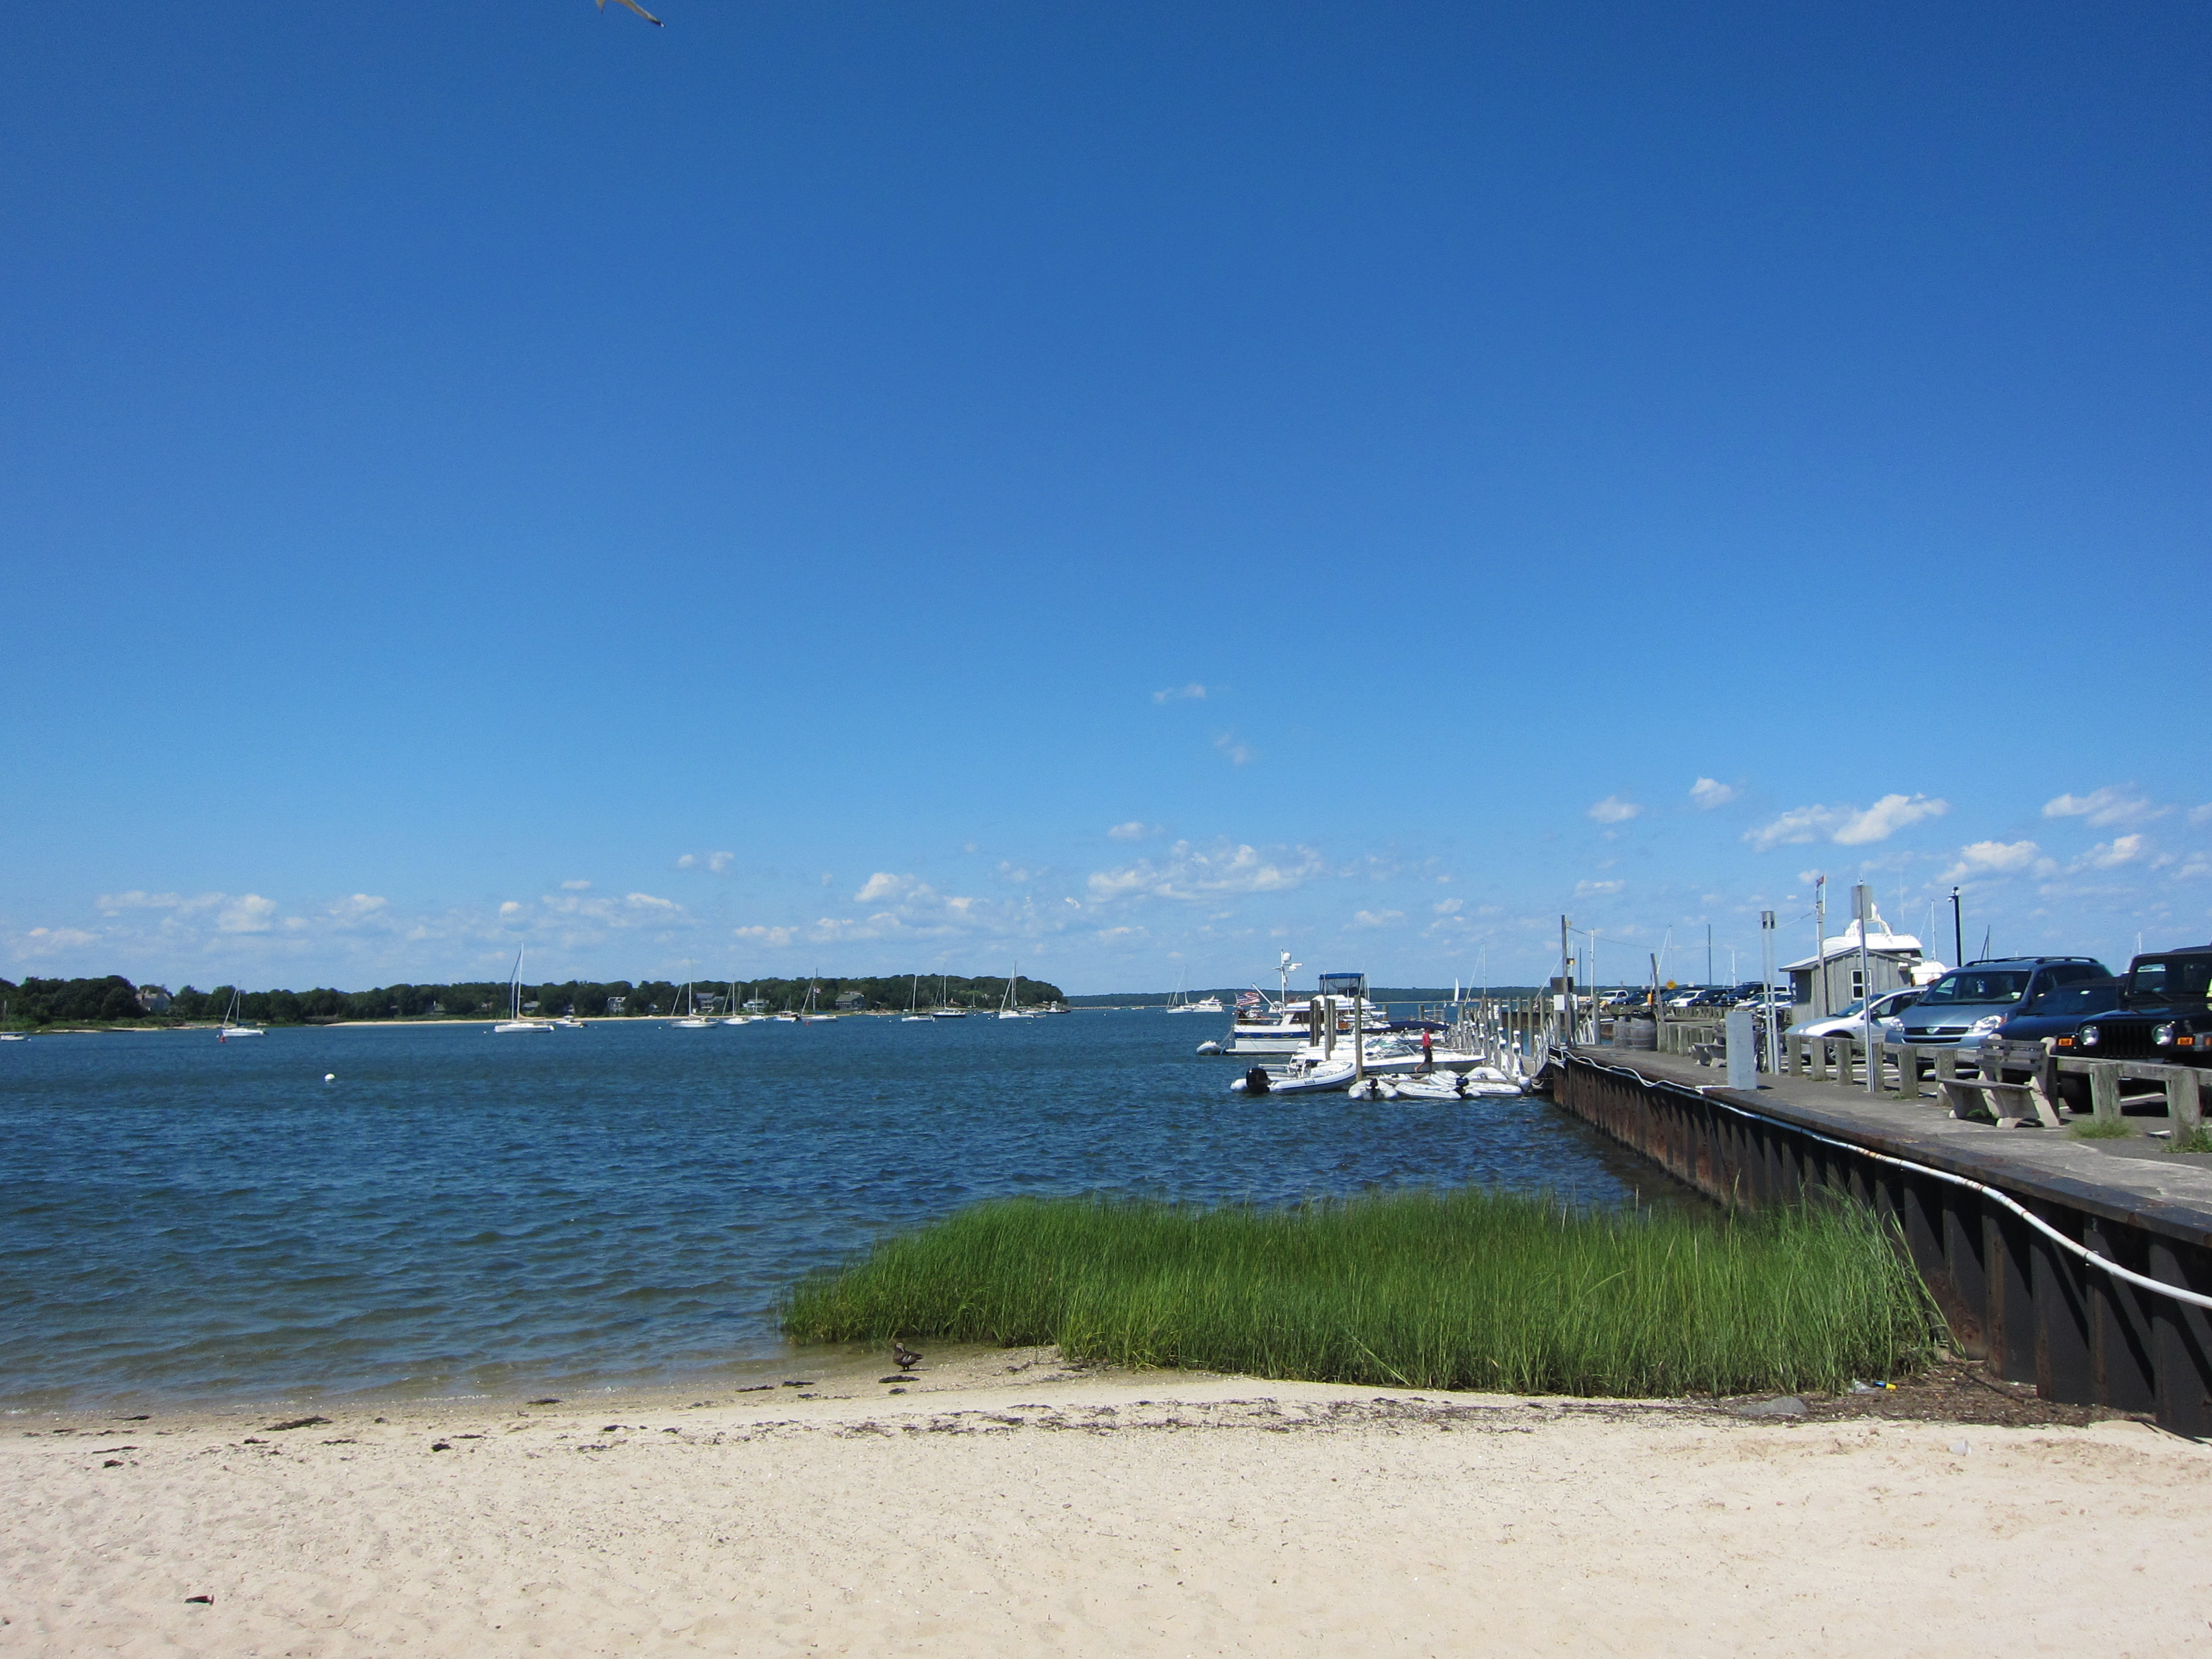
(2165, 1014)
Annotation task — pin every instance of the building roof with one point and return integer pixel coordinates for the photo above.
(1879, 941)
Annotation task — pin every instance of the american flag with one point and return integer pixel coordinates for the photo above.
(1250, 999)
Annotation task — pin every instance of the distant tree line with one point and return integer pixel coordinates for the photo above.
(115, 1000)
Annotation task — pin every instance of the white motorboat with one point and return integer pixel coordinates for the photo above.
(514, 1022)
(1299, 1078)
(230, 1027)
(567, 1023)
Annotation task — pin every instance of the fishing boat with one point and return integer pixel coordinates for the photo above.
(231, 1028)
(515, 1022)
(1009, 1007)
(913, 1016)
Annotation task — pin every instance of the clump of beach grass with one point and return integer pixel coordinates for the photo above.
(2100, 1128)
(2195, 1139)
(1467, 1289)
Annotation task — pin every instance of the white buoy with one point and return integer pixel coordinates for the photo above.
(329, 1077)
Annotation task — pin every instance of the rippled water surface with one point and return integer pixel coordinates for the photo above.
(461, 1211)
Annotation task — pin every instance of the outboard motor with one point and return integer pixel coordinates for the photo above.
(1255, 1081)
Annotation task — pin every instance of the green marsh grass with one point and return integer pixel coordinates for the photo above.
(2100, 1128)
(1467, 1289)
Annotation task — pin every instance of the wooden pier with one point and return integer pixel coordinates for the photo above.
(1961, 1194)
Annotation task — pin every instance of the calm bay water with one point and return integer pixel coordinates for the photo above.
(459, 1212)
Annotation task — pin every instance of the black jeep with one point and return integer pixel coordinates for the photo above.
(2165, 1013)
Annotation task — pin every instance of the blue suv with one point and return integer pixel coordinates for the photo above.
(1970, 1003)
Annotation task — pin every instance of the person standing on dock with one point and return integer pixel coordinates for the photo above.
(1428, 1053)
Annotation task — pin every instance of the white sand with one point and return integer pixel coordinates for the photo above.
(1045, 1514)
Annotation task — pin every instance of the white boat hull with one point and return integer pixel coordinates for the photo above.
(509, 1027)
(229, 1032)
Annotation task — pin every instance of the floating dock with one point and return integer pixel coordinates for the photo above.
(2031, 1306)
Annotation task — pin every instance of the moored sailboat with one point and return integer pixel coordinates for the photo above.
(515, 1022)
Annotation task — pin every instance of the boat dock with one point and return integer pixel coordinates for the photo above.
(2083, 1267)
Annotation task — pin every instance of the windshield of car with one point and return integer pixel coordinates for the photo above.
(1974, 987)
(2077, 1000)
(1847, 1013)
(2171, 979)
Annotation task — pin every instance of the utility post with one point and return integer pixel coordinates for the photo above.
(1766, 973)
(1820, 946)
(1863, 913)
(1564, 1004)
(1958, 932)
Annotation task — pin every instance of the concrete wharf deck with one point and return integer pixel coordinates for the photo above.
(2034, 1311)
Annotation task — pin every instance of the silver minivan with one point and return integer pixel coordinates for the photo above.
(1968, 1003)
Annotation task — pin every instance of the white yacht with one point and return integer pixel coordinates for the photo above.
(691, 1019)
(1009, 1006)
(913, 1016)
(231, 1028)
(515, 1022)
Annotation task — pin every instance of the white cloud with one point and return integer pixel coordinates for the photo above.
(720, 862)
(1994, 858)
(1135, 829)
(1847, 826)
(575, 886)
(1706, 793)
(1886, 817)
(1239, 753)
(688, 861)
(249, 913)
(1448, 907)
(1597, 889)
(511, 907)
(357, 907)
(2110, 854)
(2200, 816)
(882, 886)
(2113, 804)
(1191, 692)
(773, 936)
(45, 940)
(110, 903)
(717, 862)
(1187, 872)
(1375, 918)
(646, 901)
(1614, 809)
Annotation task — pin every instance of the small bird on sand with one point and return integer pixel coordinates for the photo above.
(639, 10)
(903, 1357)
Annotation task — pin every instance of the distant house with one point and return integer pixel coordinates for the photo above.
(1831, 980)
(614, 1006)
(849, 1000)
(154, 999)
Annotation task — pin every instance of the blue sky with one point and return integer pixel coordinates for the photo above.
(1128, 490)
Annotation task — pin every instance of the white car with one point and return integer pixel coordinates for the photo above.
(1851, 1022)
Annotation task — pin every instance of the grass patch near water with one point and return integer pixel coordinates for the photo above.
(2100, 1128)
(1439, 1289)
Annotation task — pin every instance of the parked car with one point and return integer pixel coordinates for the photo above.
(1717, 997)
(1886, 1015)
(1966, 1004)
(2165, 1013)
(2016, 1045)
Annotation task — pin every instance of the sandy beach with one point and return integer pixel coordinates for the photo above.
(1003, 1501)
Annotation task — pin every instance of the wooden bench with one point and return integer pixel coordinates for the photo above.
(2010, 1103)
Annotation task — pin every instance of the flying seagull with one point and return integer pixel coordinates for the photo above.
(639, 10)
